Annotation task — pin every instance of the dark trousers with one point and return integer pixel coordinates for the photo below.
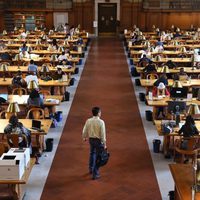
(95, 147)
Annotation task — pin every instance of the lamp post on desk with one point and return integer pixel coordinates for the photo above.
(4, 69)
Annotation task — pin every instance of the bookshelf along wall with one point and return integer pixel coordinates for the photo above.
(24, 20)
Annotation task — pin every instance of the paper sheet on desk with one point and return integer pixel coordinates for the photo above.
(52, 100)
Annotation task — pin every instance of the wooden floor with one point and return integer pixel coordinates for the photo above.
(129, 175)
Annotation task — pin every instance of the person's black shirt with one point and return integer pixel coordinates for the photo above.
(189, 131)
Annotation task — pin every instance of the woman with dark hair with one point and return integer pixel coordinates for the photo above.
(16, 127)
(54, 44)
(35, 99)
(189, 129)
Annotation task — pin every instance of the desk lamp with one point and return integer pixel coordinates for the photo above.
(13, 108)
(32, 85)
(4, 69)
(44, 70)
(165, 69)
(193, 110)
(177, 84)
(54, 59)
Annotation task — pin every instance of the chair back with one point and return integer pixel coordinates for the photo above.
(152, 76)
(45, 92)
(19, 91)
(35, 113)
(14, 139)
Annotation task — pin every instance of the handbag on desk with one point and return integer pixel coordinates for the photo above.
(103, 158)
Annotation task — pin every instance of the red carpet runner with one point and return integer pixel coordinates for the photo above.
(130, 174)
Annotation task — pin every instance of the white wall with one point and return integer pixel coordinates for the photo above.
(60, 18)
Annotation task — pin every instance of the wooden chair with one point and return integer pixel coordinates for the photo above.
(5, 115)
(35, 113)
(2, 148)
(45, 92)
(189, 152)
(5, 63)
(152, 76)
(14, 139)
(19, 91)
(143, 64)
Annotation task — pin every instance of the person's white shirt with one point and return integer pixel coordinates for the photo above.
(31, 77)
(24, 54)
(62, 57)
(159, 48)
(23, 35)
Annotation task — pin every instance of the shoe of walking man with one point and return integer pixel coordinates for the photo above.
(94, 130)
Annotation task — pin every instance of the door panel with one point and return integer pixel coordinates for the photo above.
(107, 16)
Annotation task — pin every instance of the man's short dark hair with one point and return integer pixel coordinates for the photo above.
(95, 111)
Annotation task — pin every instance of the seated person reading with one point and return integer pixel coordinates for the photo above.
(160, 91)
(150, 68)
(16, 127)
(35, 99)
(162, 79)
(182, 75)
(171, 64)
(32, 67)
(188, 130)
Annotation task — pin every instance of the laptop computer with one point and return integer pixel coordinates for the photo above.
(36, 125)
(3, 98)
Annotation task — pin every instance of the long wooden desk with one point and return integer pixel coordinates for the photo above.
(24, 69)
(156, 102)
(45, 125)
(137, 54)
(164, 60)
(172, 136)
(183, 179)
(188, 70)
(150, 82)
(49, 100)
(42, 83)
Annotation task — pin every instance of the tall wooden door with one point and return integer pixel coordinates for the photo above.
(107, 17)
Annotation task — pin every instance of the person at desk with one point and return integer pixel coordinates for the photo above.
(24, 47)
(160, 91)
(182, 75)
(54, 44)
(62, 57)
(162, 79)
(32, 67)
(6, 56)
(143, 59)
(159, 47)
(58, 76)
(18, 80)
(16, 127)
(24, 54)
(150, 68)
(35, 99)
(31, 77)
(188, 130)
(171, 64)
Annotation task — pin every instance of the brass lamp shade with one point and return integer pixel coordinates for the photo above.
(193, 109)
(17, 57)
(13, 108)
(3, 67)
(60, 49)
(165, 69)
(54, 58)
(44, 68)
(177, 84)
(32, 85)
